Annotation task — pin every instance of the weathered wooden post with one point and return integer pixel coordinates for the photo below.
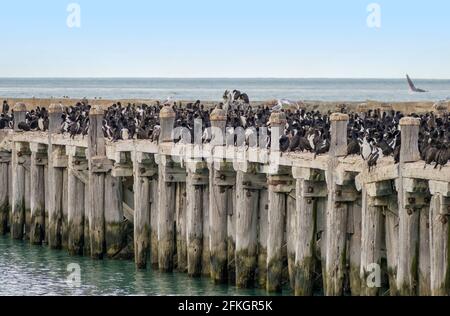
(98, 167)
(20, 111)
(154, 218)
(371, 229)
(167, 198)
(206, 253)
(248, 185)
(354, 246)
(65, 205)
(439, 241)
(27, 195)
(409, 218)
(181, 194)
(117, 212)
(263, 232)
(18, 179)
(87, 215)
(46, 198)
(391, 224)
(10, 191)
(55, 180)
(5, 209)
(141, 216)
(115, 237)
(77, 169)
(336, 219)
(424, 273)
(279, 183)
(77, 165)
(219, 184)
(417, 198)
(231, 233)
(144, 170)
(37, 188)
(308, 189)
(291, 235)
(197, 179)
(377, 200)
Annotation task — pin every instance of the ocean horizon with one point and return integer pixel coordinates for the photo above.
(211, 89)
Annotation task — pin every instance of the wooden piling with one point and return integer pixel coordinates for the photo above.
(206, 253)
(37, 188)
(181, 194)
(115, 238)
(247, 205)
(439, 238)
(141, 216)
(46, 199)
(218, 217)
(354, 246)
(231, 234)
(391, 231)
(55, 210)
(154, 215)
(194, 227)
(166, 222)
(76, 212)
(98, 167)
(218, 233)
(18, 179)
(197, 179)
(277, 212)
(291, 236)
(4, 194)
(306, 193)
(336, 219)
(278, 186)
(263, 232)
(27, 196)
(408, 216)
(424, 269)
(10, 191)
(167, 196)
(87, 215)
(370, 245)
(55, 180)
(65, 209)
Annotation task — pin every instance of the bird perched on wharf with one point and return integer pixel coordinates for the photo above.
(5, 107)
(75, 119)
(6, 121)
(35, 120)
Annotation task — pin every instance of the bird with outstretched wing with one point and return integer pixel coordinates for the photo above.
(412, 86)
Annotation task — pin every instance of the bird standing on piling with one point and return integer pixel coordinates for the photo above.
(5, 107)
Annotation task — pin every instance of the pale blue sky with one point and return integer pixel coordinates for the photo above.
(216, 38)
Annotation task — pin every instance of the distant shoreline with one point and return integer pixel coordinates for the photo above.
(323, 106)
(223, 78)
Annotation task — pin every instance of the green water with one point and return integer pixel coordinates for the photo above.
(33, 270)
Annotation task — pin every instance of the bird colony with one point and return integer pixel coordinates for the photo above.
(371, 134)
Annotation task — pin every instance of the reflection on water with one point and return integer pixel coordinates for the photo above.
(33, 270)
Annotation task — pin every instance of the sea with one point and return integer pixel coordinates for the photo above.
(27, 270)
(210, 89)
